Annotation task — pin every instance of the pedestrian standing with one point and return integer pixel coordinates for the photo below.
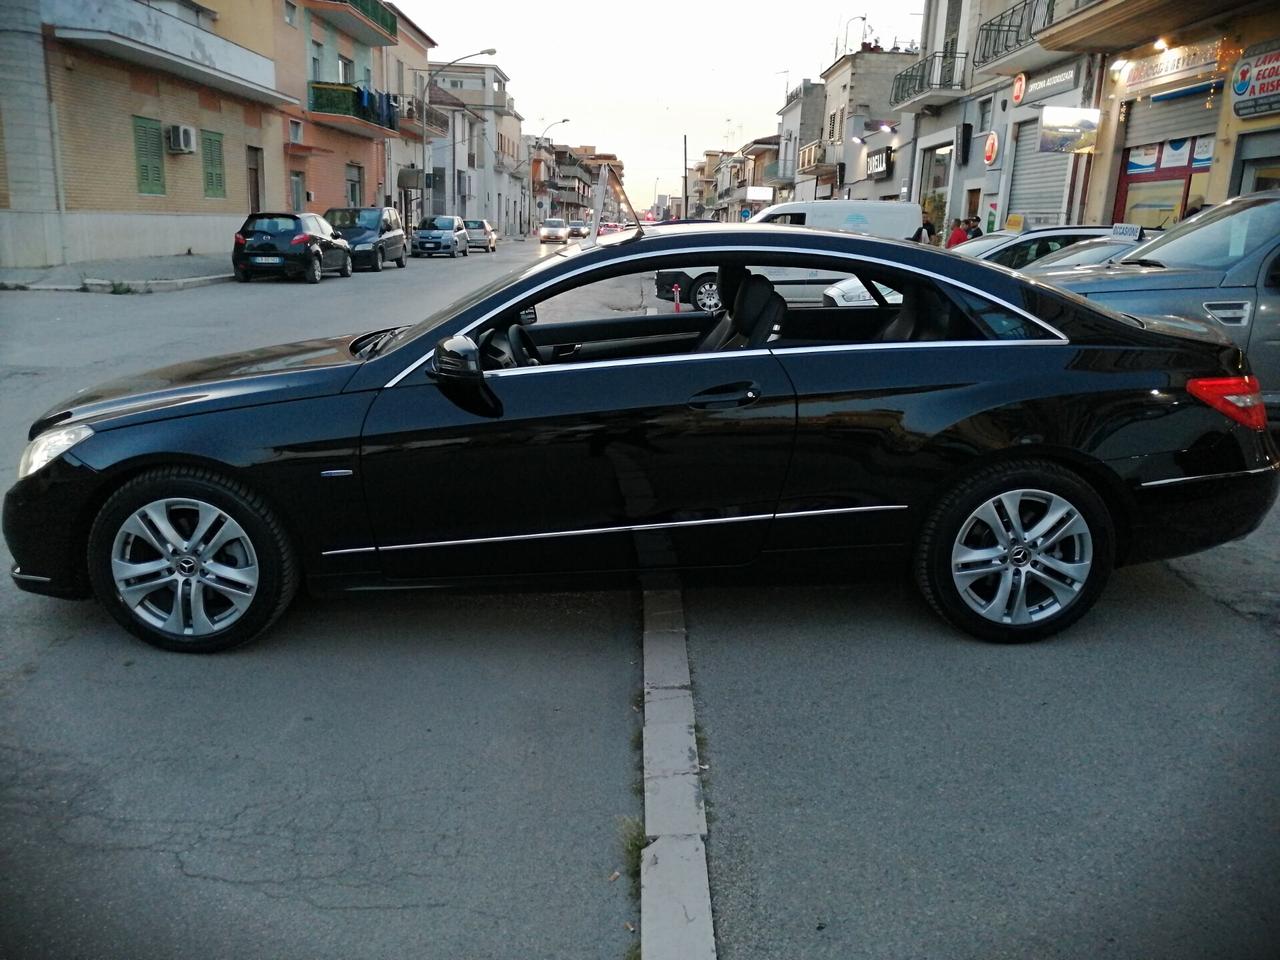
(974, 229)
(926, 231)
(958, 234)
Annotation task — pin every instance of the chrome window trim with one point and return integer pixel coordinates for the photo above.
(623, 362)
(753, 248)
(1211, 476)
(635, 528)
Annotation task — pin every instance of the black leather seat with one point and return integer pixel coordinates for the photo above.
(757, 313)
(921, 317)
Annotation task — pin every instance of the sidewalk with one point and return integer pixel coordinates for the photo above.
(138, 274)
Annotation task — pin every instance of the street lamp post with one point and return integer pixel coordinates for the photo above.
(426, 102)
(845, 49)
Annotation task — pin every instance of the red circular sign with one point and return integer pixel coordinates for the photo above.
(1019, 87)
(991, 149)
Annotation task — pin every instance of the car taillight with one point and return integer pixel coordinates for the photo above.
(300, 238)
(1240, 398)
(239, 239)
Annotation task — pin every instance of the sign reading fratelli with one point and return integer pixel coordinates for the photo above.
(1255, 84)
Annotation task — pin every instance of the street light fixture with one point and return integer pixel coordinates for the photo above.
(426, 102)
(846, 30)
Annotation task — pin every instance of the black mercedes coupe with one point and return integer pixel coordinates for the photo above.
(1005, 442)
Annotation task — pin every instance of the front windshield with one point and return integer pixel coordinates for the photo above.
(471, 299)
(1082, 254)
(436, 223)
(553, 223)
(340, 218)
(980, 245)
(1217, 238)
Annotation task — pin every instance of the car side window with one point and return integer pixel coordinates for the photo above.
(787, 219)
(997, 322)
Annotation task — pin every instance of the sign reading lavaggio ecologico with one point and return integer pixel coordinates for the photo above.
(1255, 82)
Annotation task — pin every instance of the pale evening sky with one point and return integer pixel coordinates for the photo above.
(633, 77)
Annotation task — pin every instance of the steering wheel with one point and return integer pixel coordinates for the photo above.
(521, 345)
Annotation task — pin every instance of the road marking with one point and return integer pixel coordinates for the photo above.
(675, 896)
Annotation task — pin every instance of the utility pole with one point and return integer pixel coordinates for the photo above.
(684, 177)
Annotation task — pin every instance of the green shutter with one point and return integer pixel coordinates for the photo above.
(148, 149)
(215, 181)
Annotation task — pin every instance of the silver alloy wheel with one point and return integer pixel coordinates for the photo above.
(706, 296)
(184, 566)
(1022, 557)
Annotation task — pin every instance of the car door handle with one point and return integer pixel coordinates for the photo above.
(740, 394)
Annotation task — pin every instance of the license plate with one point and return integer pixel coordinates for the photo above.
(268, 260)
(429, 246)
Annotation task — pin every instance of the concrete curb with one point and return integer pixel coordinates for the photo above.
(675, 895)
(93, 285)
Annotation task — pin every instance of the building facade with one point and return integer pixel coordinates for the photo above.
(799, 123)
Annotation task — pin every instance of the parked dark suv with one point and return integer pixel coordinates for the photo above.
(288, 245)
(376, 234)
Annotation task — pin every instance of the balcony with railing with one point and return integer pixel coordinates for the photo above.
(937, 79)
(812, 160)
(1106, 26)
(369, 21)
(343, 106)
(1007, 43)
(780, 173)
(418, 119)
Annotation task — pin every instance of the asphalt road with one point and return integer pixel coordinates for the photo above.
(396, 775)
(881, 787)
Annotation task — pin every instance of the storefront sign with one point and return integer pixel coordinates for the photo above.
(1255, 84)
(1202, 156)
(992, 149)
(1176, 153)
(1174, 63)
(1143, 159)
(1030, 89)
(880, 163)
(1068, 130)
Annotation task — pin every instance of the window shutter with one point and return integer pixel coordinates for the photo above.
(215, 183)
(148, 148)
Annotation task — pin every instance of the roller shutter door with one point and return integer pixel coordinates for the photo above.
(1156, 121)
(1039, 183)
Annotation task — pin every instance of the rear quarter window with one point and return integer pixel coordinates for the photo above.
(271, 224)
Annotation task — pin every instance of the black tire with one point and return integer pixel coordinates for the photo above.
(705, 288)
(453, 254)
(347, 269)
(242, 275)
(275, 564)
(314, 271)
(466, 251)
(377, 260)
(402, 261)
(951, 516)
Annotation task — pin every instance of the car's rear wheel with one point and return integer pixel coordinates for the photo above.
(314, 270)
(189, 560)
(705, 294)
(377, 260)
(1016, 552)
(346, 270)
(242, 275)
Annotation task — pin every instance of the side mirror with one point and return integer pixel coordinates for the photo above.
(528, 316)
(457, 360)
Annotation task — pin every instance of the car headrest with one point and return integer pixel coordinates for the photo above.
(749, 305)
(729, 278)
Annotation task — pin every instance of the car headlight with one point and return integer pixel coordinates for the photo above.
(364, 246)
(50, 445)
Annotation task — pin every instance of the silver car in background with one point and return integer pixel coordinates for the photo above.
(480, 233)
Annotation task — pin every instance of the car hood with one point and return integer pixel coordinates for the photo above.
(1105, 278)
(289, 371)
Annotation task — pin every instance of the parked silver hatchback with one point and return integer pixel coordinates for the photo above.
(442, 234)
(480, 233)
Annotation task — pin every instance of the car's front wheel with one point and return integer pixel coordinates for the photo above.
(1016, 552)
(402, 261)
(346, 270)
(377, 260)
(189, 560)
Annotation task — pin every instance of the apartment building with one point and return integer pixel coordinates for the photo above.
(152, 121)
(571, 197)
(502, 190)
(420, 123)
(799, 123)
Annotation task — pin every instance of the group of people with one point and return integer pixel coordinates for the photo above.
(961, 230)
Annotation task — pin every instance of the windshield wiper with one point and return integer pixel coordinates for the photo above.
(376, 343)
(1144, 262)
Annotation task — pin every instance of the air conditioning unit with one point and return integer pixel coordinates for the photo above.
(179, 138)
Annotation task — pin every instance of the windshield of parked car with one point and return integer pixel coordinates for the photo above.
(474, 224)
(436, 223)
(980, 245)
(1086, 252)
(344, 218)
(553, 223)
(1217, 238)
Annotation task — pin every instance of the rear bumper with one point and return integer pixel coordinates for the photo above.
(291, 264)
(1189, 514)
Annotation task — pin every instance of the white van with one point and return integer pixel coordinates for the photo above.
(878, 218)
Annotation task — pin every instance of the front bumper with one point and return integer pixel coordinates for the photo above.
(432, 246)
(364, 258)
(46, 524)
